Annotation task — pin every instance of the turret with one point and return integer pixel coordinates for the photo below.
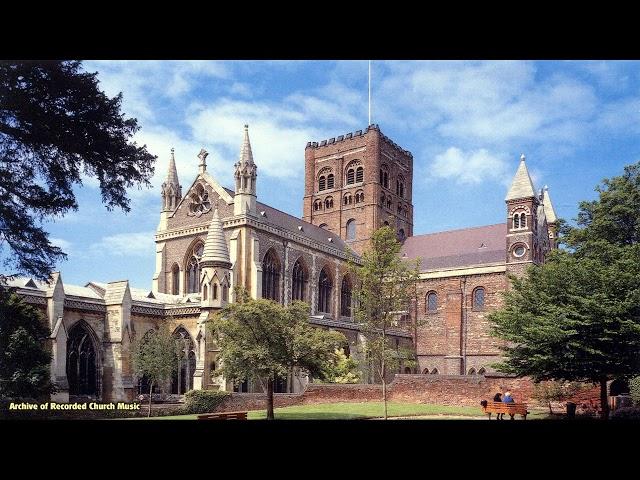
(215, 267)
(245, 176)
(522, 220)
(552, 218)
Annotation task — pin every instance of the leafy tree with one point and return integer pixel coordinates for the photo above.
(384, 289)
(577, 317)
(555, 391)
(341, 369)
(156, 356)
(24, 357)
(264, 339)
(56, 125)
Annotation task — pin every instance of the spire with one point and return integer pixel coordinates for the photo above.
(215, 250)
(548, 206)
(522, 186)
(172, 174)
(171, 189)
(246, 156)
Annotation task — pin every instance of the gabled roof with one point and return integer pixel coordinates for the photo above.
(284, 220)
(458, 248)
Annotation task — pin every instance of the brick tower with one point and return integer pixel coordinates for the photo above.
(356, 183)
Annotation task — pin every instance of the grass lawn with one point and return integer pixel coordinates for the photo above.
(354, 411)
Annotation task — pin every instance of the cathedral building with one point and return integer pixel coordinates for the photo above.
(212, 239)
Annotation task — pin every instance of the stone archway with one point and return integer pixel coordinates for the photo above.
(182, 378)
(618, 387)
(82, 365)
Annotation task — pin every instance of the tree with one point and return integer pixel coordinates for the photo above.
(24, 358)
(384, 289)
(555, 391)
(577, 317)
(55, 125)
(341, 369)
(156, 356)
(264, 339)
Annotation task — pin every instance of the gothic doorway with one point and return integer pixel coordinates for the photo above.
(82, 363)
(182, 378)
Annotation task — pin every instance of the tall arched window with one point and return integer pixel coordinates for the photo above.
(322, 183)
(330, 180)
(271, 276)
(345, 297)
(299, 283)
(351, 229)
(432, 302)
(351, 176)
(175, 279)
(359, 174)
(382, 200)
(523, 220)
(193, 269)
(389, 204)
(516, 220)
(401, 235)
(324, 292)
(182, 378)
(384, 176)
(478, 298)
(82, 365)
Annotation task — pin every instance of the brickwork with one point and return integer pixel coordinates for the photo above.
(455, 337)
(461, 390)
(372, 151)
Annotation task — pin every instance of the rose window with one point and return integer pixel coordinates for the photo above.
(199, 202)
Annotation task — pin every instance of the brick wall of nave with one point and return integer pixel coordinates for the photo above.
(456, 329)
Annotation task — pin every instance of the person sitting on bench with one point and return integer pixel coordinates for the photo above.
(508, 399)
(498, 398)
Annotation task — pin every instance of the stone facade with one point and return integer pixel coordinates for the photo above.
(211, 239)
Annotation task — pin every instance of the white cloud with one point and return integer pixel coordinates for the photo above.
(134, 244)
(65, 245)
(471, 167)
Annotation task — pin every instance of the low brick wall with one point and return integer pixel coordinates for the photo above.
(436, 389)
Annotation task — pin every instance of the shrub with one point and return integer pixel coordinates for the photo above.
(203, 401)
(628, 413)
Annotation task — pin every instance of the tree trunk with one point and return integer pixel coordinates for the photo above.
(604, 404)
(550, 409)
(150, 396)
(384, 387)
(270, 398)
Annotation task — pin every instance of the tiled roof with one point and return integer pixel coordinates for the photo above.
(458, 248)
(289, 222)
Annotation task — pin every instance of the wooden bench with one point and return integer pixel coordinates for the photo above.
(509, 408)
(224, 416)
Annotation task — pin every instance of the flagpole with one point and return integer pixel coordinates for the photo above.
(369, 92)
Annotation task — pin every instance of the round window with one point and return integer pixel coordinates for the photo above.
(519, 251)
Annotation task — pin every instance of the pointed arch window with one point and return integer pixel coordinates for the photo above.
(193, 269)
(482, 371)
(175, 279)
(324, 292)
(401, 235)
(299, 284)
(82, 365)
(271, 276)
(330, 180)
(182, 378)
(345, 297)
(384, 176)
(214, 291)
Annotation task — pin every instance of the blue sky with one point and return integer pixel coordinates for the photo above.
(466, 124)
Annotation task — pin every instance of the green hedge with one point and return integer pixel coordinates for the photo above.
(203, 401)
